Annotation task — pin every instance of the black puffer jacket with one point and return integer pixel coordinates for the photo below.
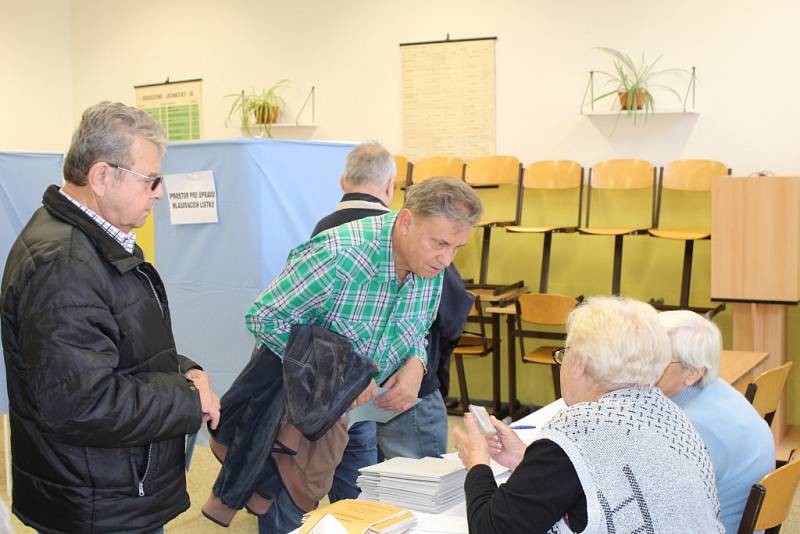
(98, 402)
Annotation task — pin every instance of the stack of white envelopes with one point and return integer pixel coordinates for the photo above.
(427, 485)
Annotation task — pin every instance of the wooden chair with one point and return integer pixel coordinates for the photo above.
(427, 168)
(470, 345)
(551, 310)
(766, 391)
(693, 176)
(403, 177)
(620, 175)
(550, 175)
(771, 500)
(494, 172)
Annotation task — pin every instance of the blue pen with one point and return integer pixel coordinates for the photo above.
(523, 427)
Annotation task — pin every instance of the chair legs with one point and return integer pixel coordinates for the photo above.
(686, 278)
(487, 240)
(556, 371)
(616, 274)
(462, 383)
(544, 274)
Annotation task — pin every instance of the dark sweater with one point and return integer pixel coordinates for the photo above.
(542, 489)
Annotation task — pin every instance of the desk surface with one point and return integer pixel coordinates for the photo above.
(737, 364)
(487, 295)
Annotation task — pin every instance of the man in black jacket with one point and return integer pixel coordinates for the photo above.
(100, 400)
(421, 430)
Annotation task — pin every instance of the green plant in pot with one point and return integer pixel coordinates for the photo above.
(632, 82)
(258, 111)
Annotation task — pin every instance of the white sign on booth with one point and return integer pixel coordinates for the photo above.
(192, 197)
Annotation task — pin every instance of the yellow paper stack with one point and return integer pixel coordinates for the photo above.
(362, 517)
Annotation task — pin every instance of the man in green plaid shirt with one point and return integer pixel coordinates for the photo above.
(376, 281)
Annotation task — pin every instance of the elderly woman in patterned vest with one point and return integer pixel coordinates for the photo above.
(621, 457)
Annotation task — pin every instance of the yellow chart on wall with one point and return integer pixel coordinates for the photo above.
(449, 98)
(176, 105)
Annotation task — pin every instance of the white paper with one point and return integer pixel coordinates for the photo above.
(369, 412)
(328, 525)
(192, 197)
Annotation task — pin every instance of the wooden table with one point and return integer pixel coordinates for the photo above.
(740, 367)
(487, 295)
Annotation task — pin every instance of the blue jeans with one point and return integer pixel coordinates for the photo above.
(361, 451)
(418, 432)
(283, 516)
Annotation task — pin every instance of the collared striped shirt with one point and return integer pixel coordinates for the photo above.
(127, 241)
(344, 279)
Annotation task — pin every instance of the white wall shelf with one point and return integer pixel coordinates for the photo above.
(293, 125)
(588, 107)
(639, 113)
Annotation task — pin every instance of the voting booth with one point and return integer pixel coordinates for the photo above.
(269, 194)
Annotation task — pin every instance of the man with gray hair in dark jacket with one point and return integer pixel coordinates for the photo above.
(100, 400)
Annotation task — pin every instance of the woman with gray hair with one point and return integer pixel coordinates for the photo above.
(737, 437)
(620, 458)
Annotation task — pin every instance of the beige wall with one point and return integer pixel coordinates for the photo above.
(35, 75)
(745, 55)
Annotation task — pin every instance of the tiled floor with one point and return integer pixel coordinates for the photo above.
(203, 473)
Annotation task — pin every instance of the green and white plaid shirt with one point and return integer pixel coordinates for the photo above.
(344, 279)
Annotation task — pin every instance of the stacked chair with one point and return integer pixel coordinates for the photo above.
(494, 172)
(687, 177)
(549, 176)
(614, 176)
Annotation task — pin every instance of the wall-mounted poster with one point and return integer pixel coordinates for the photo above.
(176, 105)
(449, 98)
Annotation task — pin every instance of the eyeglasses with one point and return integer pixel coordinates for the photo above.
(558, 355)
(154, 181)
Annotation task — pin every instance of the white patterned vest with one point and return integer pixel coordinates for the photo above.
(641, 464)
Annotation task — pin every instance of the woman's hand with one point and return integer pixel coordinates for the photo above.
(472, 447)
(505, 447)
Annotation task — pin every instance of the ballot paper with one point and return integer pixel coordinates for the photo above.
(369, 412)
(427, 484)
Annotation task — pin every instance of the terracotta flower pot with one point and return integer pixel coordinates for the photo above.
(623, 100)
(267, 114)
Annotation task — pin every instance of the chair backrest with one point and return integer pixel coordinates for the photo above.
(771, 499)
(555, 174)
(492, 170)
(488, 176)
(427, 168)
(622, 175)
(688, 175)
(476, 316)
(547, 309)
(766, 391)
(692, 174)
(401, 179)
(544, 309)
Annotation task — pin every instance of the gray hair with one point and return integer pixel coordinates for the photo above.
(696, 341)
(105, 134)
(621, 340)
(445, 197)
(369, 163)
